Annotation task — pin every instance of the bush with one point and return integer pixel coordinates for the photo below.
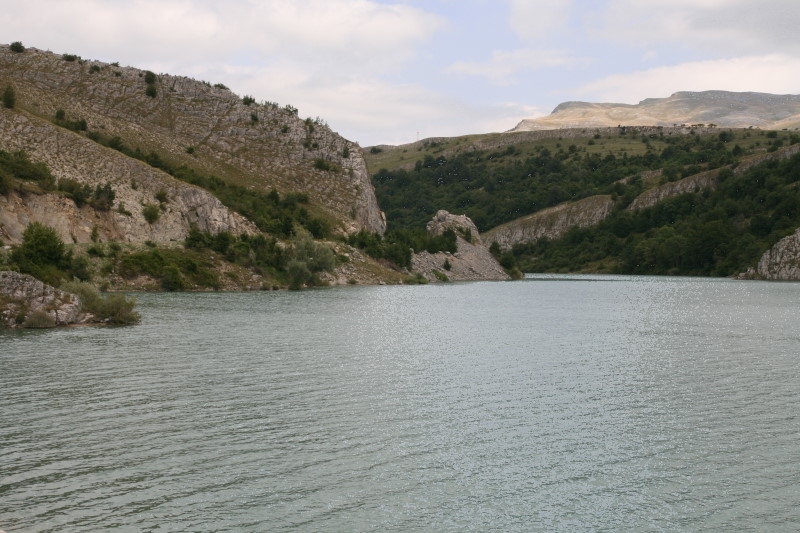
(149, 78)
(17, 47)
(151, 213)
(113, 309)
(247, 100)
(41, 254)
(9, 97)
(151, 91)
(38, 319)
(70, 57)
(161, 196)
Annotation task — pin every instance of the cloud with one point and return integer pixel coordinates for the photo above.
(536, 20)
(503, 65)
(774, 73)
(331, 33)
(727, 27)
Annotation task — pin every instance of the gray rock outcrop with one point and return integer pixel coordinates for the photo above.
(552, 222)
(471, 262)
(23, 297)
(782, 261)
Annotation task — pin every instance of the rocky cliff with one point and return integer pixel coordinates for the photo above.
(552, 223)
(186, 122)
(782, 261)
(72, 156)
(25, 301)
(471, 262)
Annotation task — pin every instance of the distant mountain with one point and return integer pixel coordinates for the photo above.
(722, 108)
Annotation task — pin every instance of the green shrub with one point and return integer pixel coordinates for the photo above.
(41, 254)
(9, 97)
(247, 100)
(149, 77)
(38, 319)
(327, 166)
(447, 265)
(17, 47)
(161, 196)
(151, 91)
(151, 213)
(70, 57)
(113, 308)
(94, 68)
(441, 276)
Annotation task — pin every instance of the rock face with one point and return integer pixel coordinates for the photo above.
(722, 108)
(443, 221)
(471, 262)
(26, 301)
(782, 261)
(71, 156)
(207, 128)
(696, 183)
(552, 223)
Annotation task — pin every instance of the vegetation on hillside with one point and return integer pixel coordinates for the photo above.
(718, 232)
(713, 232)
(496, 186)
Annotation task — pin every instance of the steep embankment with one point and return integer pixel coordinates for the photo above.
(723, 108)
(72, 156)
(208, 128)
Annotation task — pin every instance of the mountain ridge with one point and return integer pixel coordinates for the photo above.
(722, 108)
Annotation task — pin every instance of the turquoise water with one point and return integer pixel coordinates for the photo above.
(583, 403)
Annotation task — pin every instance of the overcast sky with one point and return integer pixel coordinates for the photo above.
(387, 71)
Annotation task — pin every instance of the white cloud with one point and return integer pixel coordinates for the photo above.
(773, 73)
(333, 33)
(503, 65)
(536, 19)
(727, 27)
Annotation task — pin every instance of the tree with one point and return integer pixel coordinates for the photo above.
(9, 97)
(42, 253)
(17, 47)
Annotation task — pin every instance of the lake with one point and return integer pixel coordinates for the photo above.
(556, 403)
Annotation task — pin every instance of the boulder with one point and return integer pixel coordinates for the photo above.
(25, 301)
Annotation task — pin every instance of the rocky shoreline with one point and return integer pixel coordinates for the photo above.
(26, 302)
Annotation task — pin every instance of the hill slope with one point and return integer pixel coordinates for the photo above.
(184, 122)
(723, 108)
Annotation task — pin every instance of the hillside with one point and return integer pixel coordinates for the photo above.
(722, 108)
(65, 104)
(564, 200)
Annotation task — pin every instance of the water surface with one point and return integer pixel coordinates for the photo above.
(556, 403)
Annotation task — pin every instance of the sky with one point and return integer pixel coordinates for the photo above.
(394, 71)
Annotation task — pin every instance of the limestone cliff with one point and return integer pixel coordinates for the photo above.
(185, 121)
(471, 262)
(72, 156)
(553, 222)
(23, 297)
(782, 261)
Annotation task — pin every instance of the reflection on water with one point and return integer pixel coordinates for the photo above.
(552, 404)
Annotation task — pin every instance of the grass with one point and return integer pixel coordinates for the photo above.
(528, 143)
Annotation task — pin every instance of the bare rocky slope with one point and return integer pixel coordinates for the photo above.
(208, 128)
(723, 108)
(471, 261)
